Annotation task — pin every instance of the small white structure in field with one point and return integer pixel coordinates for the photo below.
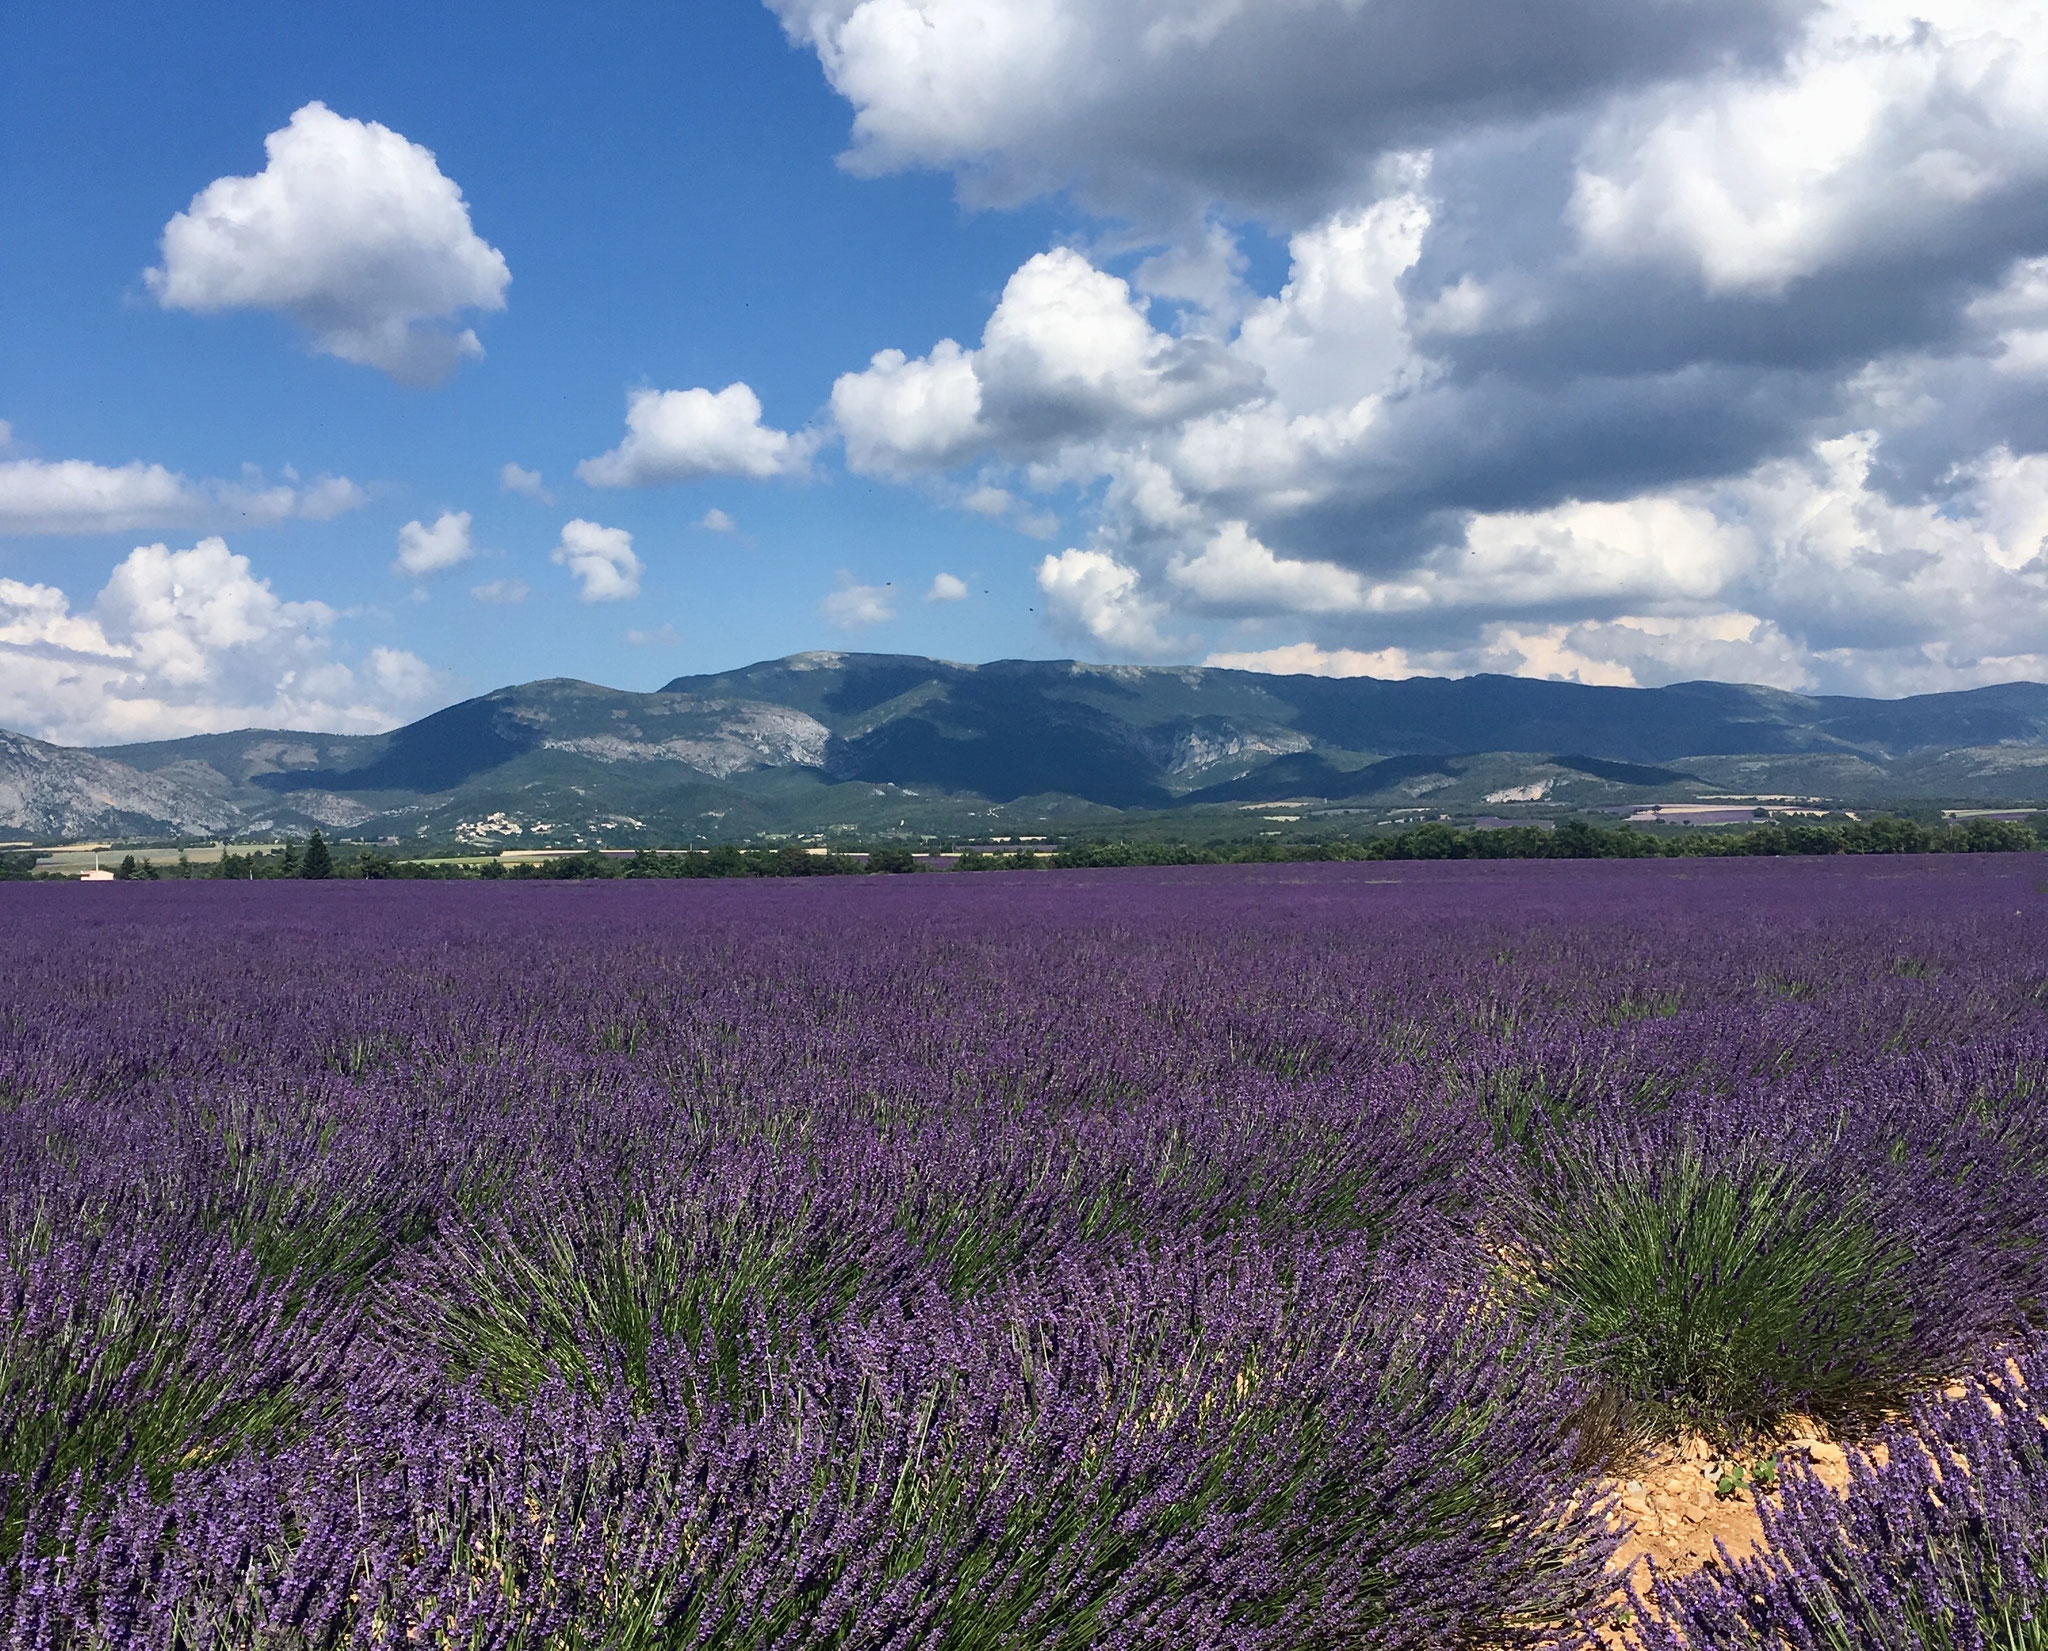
(95, 876)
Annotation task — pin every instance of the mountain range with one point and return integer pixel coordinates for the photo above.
(849, 745)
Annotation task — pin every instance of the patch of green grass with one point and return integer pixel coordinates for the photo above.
(1713, 1292)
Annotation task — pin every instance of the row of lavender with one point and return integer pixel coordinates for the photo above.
(1233, 1257)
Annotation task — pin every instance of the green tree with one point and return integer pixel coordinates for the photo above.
(1888, 834)
(1992, 837)
(126, 869)
(1437, 840)
(318, 861)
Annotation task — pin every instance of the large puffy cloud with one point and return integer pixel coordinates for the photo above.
(902, 415)
(1237, 574)
(1624, 653)
(686, 435)
(1068, 354)
(68, 496)
(1157, 108)
(1616, 343)
(354, 233)
(187, 642)
(1892, 133)
(1800, 573)
(1095, 598)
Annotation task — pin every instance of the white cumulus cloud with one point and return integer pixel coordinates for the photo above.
(1092, 596)
(1236, 573)
(601, 559)
(76, 496)
(71, 496)
(946, 587)
(1615, 342)
(186, 642)
(1889, 127)
(351, 231)
(1306, 659)
(399, 675)
(686, 435)
(1067, 354)
(425, 550)
(1632, 651)
(1801, 574)
(853, 606)
(901, 415)
(515, 478)
(715, 520)
(1156, 109)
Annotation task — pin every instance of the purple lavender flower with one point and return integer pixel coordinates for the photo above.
(1094, 1259)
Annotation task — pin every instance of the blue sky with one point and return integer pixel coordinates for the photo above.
(1571, 339)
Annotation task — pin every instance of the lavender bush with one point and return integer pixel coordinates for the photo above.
(143, 1353)
(1221, 1257)
(1725, 1264)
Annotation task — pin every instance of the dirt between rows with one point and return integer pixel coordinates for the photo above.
(1666, 1503)
(1668, 1507)
(1672, 1514)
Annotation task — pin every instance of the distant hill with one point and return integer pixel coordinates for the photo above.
(865, 744)
(55, 793)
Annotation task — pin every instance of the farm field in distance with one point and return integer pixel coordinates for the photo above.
(1292, 1257)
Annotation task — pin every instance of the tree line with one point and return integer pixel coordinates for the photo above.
(1570, 840)
(1434, 840)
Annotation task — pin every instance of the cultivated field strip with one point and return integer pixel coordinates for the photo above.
(1262, 1258)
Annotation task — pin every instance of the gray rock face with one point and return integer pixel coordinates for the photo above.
(328, 808)
(732, 737)
(50, 791)
(1202, 742)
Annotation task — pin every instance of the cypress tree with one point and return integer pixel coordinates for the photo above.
(318, 862)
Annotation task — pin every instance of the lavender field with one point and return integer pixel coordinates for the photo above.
(1247, 1257)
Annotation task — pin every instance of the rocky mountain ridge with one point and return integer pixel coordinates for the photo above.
(866, 744)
